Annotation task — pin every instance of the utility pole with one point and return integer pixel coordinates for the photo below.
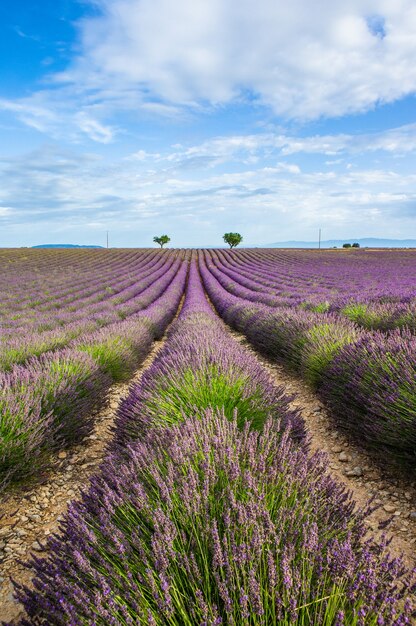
(107, 239)
(319, 241)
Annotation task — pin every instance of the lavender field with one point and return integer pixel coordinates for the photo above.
(211, 504)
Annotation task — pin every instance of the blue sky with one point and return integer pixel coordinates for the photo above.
(197, 117)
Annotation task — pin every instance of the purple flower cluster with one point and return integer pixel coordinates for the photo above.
(44, 406)
(315, 277)
(288, 334)
(380, 315)
(362, 286)
(60, 321)
(371, 387)
(205, 523)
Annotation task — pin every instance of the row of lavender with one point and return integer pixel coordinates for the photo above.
(368, 378)
(109, 297)
(374, 289)
(48, 402)
(41, 280)
(208, 509)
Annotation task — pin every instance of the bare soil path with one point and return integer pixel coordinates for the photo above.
(353, 466)
(28, 516)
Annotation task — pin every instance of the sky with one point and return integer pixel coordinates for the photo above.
(193, 118)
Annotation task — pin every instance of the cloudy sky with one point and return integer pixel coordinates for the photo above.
(196, 117)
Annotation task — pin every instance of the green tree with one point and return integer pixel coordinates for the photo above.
(233, 239)
(346, 245)
(355, 245)
(161, 240)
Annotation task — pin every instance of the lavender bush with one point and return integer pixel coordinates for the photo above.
(210, 524)
(44, 406)
(118, 348)
(371, 387)
(321, 343)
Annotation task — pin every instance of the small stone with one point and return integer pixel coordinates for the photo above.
(36, 545)
(389, 508)
(397, 513)
(408, 495)
(336, 449)
(4, 531)
(356, 471)
(16, 541)
(343, 457)
(412, 515)
(23, 518)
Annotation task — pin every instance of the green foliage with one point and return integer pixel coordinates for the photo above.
(319, 346)
(321, 307)
(355, 245)
(194, 391)
(233, 239)
(346, 245)
(162, 240)
(363, 315)
(355, 311)
(19, 423)
(115, 355)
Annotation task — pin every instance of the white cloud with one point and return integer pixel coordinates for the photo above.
(304, 59)
(94, 129)
(56, 114)
(252, 148)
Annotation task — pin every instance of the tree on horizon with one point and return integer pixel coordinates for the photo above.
(233, 239)
(162, 240)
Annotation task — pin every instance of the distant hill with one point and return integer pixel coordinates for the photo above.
(64, 245)
(367, 242)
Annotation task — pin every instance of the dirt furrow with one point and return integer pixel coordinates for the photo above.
(29, 515)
